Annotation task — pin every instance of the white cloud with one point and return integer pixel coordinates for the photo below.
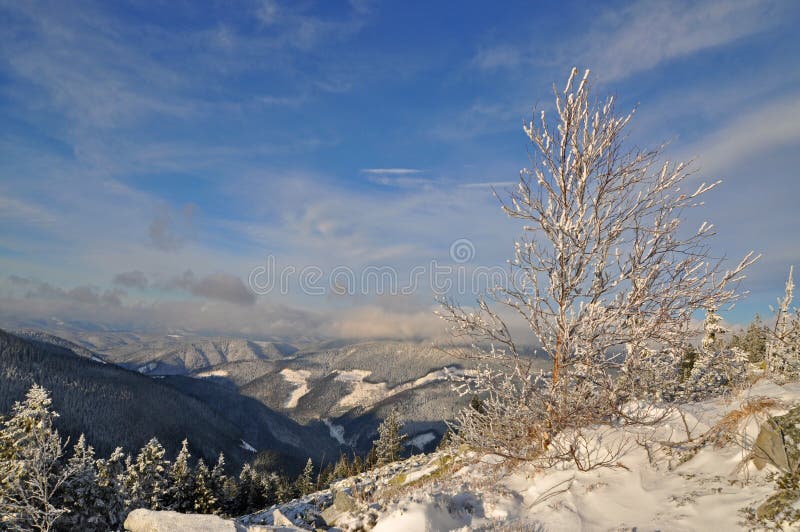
(751, 134)
(391, 171)
(650, 32)
(619, 42)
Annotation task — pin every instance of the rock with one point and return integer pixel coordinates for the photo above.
(343, 504)
(778, 442)
(278, 519)
(142, 520)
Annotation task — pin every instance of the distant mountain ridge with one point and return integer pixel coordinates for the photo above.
(114, 406)
(339, 390)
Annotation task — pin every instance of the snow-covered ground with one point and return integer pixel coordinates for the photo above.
(658, 484)
(300, 379)
(212, 373)
(368, 393)
(336, 431)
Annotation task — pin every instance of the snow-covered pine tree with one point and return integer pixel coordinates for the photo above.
(230, 496)
(217, 483)
(204, 500)
(305, 481)
(342, 469)
(716, 369)
(180, 492)
(250, 494)
(783, 348)
(271, 484)
(31, 469)
(713, 331)
(753, 340)
(389, 444)
(111, 483)
(284, 489)
(147, 476)
(82, 494)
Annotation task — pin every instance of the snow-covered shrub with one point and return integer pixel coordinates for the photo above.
(783, 348)
(602, 277)
(715, 369)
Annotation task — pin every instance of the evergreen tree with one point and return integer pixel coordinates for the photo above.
(305, 482)
(111, 485)
(147, 477)
(713, 330)
(715, 369)
(217, 483)
(783, 349)
(753, 341)
(250, 495)
(284, 490)
(31, 471)
(342, 469)
(270, 484)
(82, 494)
(180, 493)
(230, 497)
(389, 445)
(204, 500)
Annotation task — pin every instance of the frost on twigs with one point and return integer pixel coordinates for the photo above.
(602, 276)
(783, 347)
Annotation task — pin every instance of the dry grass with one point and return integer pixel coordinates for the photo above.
(728, 428)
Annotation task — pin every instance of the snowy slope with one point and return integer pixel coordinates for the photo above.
(701, 485)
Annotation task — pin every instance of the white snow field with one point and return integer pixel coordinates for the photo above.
(300, 379)
(367, 393)
(653, 488)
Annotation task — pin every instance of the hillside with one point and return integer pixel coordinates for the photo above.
(340, 390)
(707, 483)
(114, 406)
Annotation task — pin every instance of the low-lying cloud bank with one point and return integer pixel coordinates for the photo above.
(216, 304)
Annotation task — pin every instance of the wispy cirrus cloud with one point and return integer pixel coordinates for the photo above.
(639, 36)
(391, 171)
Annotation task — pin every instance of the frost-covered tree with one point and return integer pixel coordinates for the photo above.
(783, 348)
(715, 369)
(146, 477)
(713, 331)
(389, 444)
(283, 489)
(251, 492)
(753, 340)
(205, 502)
(180, 492)
(111, 482)
(604, 277)
(82, 494)
(305, 481)
(217, 482)
(31, 468)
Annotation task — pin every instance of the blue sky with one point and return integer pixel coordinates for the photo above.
(152, 154)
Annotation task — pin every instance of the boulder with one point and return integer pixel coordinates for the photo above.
(342, 504)
(278, 519)
(142, 520)
(778, 442)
